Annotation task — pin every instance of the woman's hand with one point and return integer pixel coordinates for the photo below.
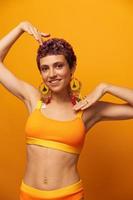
(92, 98)
(32, 30)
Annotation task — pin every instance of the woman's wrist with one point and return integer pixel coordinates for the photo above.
(104, 87)
(19, 27)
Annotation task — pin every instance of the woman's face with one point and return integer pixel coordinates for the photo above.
(55, 72)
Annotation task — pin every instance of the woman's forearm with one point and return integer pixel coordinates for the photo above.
(121, 92)
(7, 41)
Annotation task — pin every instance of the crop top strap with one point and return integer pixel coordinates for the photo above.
(39, 104)
(79, 114)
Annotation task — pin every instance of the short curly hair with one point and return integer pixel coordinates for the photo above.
(56, 46)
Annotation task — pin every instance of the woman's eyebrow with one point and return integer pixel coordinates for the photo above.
(58, 62)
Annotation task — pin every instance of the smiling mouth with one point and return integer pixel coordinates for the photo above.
(54, 82)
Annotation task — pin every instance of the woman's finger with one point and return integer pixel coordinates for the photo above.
(33, 33)
(80, 103)
(45, 34)
(76, 107)
(41, 40)
(38, 36)
(84, 107)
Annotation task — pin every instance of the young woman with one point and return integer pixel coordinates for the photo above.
(59, 117)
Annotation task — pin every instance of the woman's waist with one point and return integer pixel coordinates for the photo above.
(50, 168)
(51, 178)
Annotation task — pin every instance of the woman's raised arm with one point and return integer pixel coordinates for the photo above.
(17, 87)
(25, 26)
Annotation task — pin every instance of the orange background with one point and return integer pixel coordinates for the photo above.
(101, 33)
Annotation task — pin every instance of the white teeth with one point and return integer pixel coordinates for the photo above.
(54, 81)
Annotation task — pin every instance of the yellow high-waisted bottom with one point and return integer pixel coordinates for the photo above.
(71, 192)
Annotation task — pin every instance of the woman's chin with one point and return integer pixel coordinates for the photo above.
(56, 89)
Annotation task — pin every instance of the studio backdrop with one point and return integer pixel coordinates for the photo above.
(101, 33)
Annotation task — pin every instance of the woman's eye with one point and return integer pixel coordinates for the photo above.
(44, 69)
(60, 65)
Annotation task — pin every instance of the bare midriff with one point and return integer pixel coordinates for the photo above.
(50, 169)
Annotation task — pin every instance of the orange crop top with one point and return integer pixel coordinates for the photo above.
(67, 136)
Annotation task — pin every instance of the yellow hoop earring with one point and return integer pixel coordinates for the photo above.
(43, 88)
(75, 86)
(46, 93)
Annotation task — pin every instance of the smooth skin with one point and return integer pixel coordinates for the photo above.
(39, 171)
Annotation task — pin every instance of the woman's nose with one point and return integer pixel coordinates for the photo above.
(52, 73)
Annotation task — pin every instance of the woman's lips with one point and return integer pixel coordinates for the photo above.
(55, 82)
